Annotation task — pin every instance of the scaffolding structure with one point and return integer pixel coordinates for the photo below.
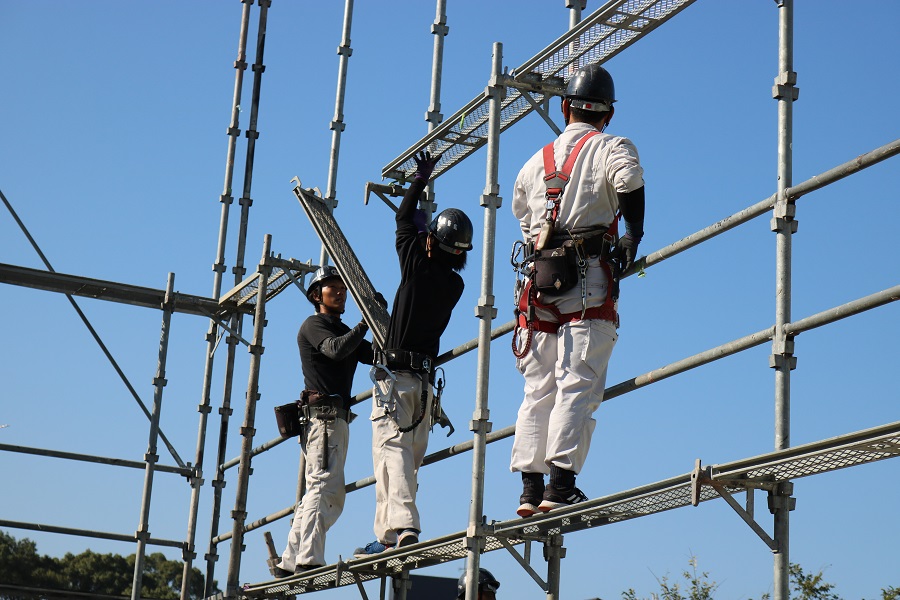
(510, 96)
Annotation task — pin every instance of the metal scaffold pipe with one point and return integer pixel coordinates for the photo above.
(159, 382)
(337, 125)
(91, 330)
(237, 320)
(205, 406)
(434, 117)
(784, 225)
(248, 429)
(486, 312)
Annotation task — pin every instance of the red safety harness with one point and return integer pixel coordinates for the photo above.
(526, 316)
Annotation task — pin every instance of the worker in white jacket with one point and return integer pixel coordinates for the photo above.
(567, 198)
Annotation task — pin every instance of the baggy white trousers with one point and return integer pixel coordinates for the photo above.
(396, 456)
(323, 501)
(565, 375)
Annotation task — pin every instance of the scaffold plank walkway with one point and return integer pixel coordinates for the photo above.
(765, 470)
(606, 32)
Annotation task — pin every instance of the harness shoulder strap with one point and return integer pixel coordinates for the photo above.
(556, 180)
(570, 161)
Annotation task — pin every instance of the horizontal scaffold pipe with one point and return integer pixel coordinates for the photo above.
(848, 168)
(99, 289)
(86, 533)
(258, 450)
(285, 512)
(842, 312)
(119, 462)
(450, 354)
(733, 347)
(755, 339)
(697, 360)
(792, 193)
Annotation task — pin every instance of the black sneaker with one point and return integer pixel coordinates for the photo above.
(304, 568)
(281, 573)
(532, 491)
(554, 498)
(407, 537)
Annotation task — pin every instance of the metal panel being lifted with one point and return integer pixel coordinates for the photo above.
(609, 30)
(375, 315)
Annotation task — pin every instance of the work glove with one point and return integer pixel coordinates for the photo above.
(425, 165)
(381, 300)
(626, 253)
(420, 221)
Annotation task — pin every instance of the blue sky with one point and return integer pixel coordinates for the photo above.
(113, 154)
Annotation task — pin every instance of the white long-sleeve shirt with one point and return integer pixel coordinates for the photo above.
(607, 164)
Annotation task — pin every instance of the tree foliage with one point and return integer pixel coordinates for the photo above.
(811, 587)
(698, 586)
(91, 572)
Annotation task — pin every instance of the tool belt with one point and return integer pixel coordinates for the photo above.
(292, 417)
(403, 360)
(594, 241)
(316, 405)
(555, 268)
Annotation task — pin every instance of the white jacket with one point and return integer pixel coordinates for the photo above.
(607, 164)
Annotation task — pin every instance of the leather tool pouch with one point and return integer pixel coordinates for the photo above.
(288, 418)
(555, 270)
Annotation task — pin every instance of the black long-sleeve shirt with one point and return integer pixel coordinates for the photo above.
(429, 289)
(329, 353)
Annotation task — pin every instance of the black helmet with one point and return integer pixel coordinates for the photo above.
(486, 583)
(453, 231)
(591, 88)
(321, 274)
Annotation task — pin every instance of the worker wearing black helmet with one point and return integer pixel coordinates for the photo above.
(487, 586)
(404, 374)
(329, 353)
(568, 198)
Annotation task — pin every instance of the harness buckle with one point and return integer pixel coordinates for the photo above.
(556, 180)
(383, 401)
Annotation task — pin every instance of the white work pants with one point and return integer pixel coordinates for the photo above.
(323, 502)
(397, 456)
(565, 375)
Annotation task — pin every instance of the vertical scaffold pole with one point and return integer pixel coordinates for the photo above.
(554, 553)
(248, 429)
(575, 7)
(434, 117)
(486, 312)
(205, 406)
(784, 225)
(337, 124)
(159, 382)
(252, 135)
(237, 320)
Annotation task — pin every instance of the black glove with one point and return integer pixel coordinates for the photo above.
(626, 253)
(425, 165)
(381, 300)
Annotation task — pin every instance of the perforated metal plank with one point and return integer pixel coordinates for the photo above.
(858, 448)
(606, 32)
(280, 278)
(352, 272)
